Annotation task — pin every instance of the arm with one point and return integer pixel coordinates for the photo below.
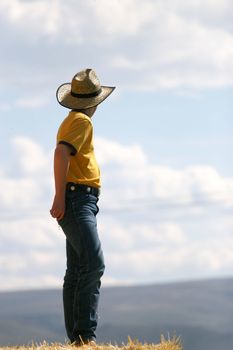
(61, 166)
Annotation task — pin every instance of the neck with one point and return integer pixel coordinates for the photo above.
(88, 111)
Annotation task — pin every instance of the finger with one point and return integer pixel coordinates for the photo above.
(53, 212)
(59, 217)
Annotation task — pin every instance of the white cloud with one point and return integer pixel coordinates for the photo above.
(209, 12)
(171, 44)
(31, 157)
(124, 63)
(155, 223)
(115, 18)
(122, 18)
(37, 232)
(12, 262)
(21, 192)
(133, 176)
(166, 259)
(31, 15)
(32, 183)
(24, 282)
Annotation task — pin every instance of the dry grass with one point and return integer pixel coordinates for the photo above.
(165, 344)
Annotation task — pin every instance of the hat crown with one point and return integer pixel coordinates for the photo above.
(85, 82)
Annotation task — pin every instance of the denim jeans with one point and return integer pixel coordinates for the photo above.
(85, 265)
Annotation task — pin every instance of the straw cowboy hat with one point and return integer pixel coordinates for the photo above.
(83, 92)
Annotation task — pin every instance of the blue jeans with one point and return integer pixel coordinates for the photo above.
(85, 265)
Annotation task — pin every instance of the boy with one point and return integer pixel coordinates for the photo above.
(77, 189)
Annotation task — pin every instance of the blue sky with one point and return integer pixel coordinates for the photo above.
(174, 130)
(163, 139)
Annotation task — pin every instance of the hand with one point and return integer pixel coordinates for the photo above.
(58, 208)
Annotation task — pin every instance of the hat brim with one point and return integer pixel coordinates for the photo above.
(65, 98)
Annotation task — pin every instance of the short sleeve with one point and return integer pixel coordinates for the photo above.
(76, 135)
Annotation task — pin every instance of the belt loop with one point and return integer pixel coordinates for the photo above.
(71, 186)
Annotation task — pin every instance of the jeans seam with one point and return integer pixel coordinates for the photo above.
(87, 262)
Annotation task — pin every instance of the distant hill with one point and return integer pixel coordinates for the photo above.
(201, 312)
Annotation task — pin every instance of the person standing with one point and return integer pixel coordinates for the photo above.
(77, 190)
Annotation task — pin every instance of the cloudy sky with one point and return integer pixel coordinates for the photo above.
(163, 139)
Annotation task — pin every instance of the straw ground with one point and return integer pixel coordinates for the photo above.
(165, 344)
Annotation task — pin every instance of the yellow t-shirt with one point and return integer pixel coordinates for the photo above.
(76, 131)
